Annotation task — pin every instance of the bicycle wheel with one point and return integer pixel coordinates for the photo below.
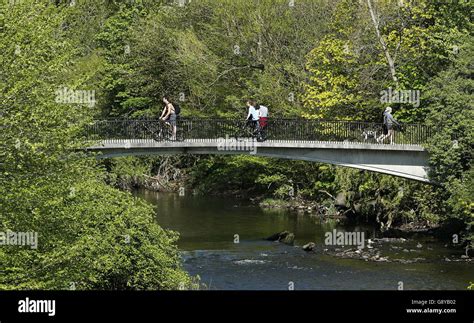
(158, 133)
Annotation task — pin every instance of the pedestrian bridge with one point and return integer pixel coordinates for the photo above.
(349, 144)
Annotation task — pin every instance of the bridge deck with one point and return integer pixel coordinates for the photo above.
(195, 143)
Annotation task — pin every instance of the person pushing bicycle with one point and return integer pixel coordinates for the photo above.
(252, 116)
(169, 116)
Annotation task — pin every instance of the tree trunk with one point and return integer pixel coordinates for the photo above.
(390, 61)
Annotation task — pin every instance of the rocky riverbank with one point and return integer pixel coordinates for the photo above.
(389, 250)
(396, 251)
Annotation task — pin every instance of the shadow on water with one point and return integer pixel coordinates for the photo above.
(210, 226)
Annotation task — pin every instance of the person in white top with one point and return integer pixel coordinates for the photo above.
(262, 111)
(252, 117)
(253, 113)
(262, 116)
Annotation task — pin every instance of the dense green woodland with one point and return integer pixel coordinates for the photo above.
(326, 59)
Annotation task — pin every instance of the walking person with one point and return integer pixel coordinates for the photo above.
(262, 120)
(168, 115)
(252, 116)
(262, 116)
(388, 122)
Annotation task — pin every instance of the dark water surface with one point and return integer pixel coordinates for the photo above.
(208, 227)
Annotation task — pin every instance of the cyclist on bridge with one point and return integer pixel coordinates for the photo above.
(169, 116)
(262, 119)
(253, 117)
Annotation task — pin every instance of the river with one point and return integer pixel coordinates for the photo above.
(222, 241)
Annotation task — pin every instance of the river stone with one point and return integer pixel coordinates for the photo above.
(341, 199)
(309, 246)
(278, 236)
(289, 239)
(285, 237)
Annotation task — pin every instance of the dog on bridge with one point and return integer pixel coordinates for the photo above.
(369, 134)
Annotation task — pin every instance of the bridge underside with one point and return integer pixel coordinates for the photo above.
(407, 161)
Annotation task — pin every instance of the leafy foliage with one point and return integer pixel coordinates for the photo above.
(452, 146)
(90, 236)
(316, 59)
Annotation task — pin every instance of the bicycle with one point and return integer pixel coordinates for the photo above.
(158, 130)
(249, 129)
(165, 132)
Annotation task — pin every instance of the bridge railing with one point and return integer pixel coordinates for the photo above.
(193, 129)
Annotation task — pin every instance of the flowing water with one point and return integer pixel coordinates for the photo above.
(222, 241)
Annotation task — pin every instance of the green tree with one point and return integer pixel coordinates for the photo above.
(451, 114)
(90, 236)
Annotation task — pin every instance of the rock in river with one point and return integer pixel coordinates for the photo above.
(309, 246)
(285, 237)
(289, 239)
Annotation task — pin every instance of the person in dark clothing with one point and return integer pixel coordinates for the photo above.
(168, 115)
(389, 122)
